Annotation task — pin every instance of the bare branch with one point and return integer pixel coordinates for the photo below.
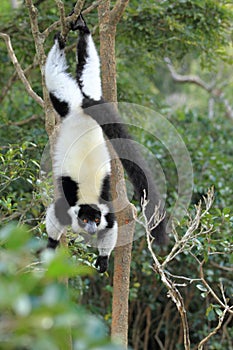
(64, 27)
(19, 70)
(223, 303)
(172, 291)
(38, 37)
(187, 78)
(220, 267)
(92, 7)
(210, 88)
(24, 121)
(215, 330)
(187, 241)
(191, 234)
(14, 77)
(117, 11)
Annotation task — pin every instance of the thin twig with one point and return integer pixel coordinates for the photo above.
(19, 70)
(173, 292)
(24, 121)
(63, 23)
(215, 330)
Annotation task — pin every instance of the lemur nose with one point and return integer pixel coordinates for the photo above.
(91, 228)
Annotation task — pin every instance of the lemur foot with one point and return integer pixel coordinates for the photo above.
(102, 263)
(60, 39)
(52, 243)
(79, 24)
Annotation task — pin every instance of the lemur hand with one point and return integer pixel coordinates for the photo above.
(60, 39)
(79, 24)
(102, 263)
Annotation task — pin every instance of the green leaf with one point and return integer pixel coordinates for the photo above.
(14, 237)
(61, 265)
(202, 288)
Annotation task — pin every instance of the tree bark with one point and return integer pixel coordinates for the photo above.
(108, 21)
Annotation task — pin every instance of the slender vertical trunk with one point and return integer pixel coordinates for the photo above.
(124, 217)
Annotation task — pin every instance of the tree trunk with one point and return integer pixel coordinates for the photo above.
(125, 218)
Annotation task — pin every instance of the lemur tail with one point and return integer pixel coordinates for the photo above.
(139, 174)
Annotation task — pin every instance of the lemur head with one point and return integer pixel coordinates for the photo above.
(89, 218)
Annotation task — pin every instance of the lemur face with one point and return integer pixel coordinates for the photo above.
(89, 217)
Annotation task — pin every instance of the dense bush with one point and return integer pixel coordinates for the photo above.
(36, 309)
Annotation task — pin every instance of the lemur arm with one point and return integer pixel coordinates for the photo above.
(106, 241)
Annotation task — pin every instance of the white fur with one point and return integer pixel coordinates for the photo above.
(81, 153)
(58, 81)
(53, 227)
(107, 242)
(91, 73)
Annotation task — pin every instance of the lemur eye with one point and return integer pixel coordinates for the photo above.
(97, 220)
(85, 221)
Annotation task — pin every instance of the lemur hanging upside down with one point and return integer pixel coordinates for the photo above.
(81, 163)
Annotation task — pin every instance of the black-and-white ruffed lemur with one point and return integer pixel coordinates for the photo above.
(81, 163)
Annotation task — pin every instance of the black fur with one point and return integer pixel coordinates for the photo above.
(79, 24)
(110, 218)
(52, 243)
(68, 188)
(90, 212)
(68, 197)
(61, 208)
(62, 42)
(102, 263)
(105, 192)
(82, 57)
(61, 107)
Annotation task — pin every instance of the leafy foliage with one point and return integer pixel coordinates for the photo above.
(36, 310)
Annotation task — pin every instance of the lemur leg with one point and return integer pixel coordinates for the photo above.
(106, 236)
(64, 91)
(88, 63)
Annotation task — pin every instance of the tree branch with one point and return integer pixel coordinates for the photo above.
(187, 78)
(210, 88)
(77, 9)
(24, 121)
(38, 37)
(190, 234)
(63, 23)
(19, 70)
(117, 11)
(14, 77)
(185, 243)
(214, 331)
